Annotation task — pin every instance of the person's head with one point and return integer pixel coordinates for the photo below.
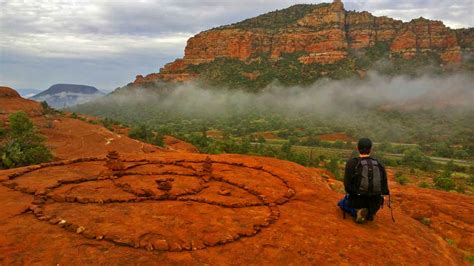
(364, 146)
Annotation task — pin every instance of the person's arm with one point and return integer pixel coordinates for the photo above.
(348, 175)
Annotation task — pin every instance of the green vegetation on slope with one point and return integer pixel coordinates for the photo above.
(287, 71)
(260, 71)
(21, 145)
(277, 19)
(426, 133)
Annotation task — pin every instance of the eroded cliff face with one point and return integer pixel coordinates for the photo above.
(325, 34)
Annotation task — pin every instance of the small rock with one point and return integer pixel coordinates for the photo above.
(175, 246)
(161, 245)
(224, 192)
(70, 198)
(164, 185)
(80, 229)
(83, 200)
(71, 227)
(88, 234)
(44, 218)
(58, 198)
(149, 247)
(196, 245)
(54, 220)
(281, 200)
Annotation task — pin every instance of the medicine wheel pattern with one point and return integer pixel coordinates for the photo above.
(166, 205)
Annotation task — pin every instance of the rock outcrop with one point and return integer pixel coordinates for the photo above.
(322, 34)
(7, 92)
(422, 35)
(11, 101)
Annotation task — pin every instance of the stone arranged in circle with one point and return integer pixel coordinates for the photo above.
(118, 201)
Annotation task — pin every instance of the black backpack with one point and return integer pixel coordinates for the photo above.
(369, 177)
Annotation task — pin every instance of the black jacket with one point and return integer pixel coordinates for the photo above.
(349, 182)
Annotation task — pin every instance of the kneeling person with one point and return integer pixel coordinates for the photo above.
(365, 182)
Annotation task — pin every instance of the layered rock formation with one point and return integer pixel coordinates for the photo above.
(325, 34)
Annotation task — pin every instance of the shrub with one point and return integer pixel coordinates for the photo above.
(424, 185)
(20, 124)
(401, 179)
(445, 183)
(286, 148)
(451, 242)
(461, 154)
(2, 130)
(142, 132)
(46, 108)
(333, 167)
(23, 146)
(415, 158)
(424, 220)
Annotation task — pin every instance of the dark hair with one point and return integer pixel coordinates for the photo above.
(364, 145)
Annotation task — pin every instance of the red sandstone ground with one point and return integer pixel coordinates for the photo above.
(266, 135)
(335, 136)
(153, 207)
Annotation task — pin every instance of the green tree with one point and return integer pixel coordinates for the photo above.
(401, 179)
(144, 133)
(414, 157)
(286, 148)
(20, 125)
(442, 149)
(445, 181)
(2, 130)
(312, 141)
(461, 154)
(46, 108)
(23, 145)
(333, 167)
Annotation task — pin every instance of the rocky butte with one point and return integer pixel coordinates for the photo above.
(324, 38)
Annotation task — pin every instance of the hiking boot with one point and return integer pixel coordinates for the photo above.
(361, 215)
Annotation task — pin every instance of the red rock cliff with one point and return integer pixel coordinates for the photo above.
(324, 32)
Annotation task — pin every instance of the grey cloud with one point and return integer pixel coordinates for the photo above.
(145, 34)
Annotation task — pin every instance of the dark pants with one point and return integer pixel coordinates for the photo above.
(372, 203)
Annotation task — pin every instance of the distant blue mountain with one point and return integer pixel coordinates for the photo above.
(65, 95)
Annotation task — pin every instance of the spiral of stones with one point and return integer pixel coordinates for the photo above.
(204, 176)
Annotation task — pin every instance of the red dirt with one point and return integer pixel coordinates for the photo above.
(172, 208)
(175, 144)
(11, 101)
(215, 134)
(266, 135)
(335, 136)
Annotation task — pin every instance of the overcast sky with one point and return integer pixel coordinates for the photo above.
(107, 43)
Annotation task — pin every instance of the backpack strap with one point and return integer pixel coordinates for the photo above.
(370, 168)
(354, 179)
(359, 160)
